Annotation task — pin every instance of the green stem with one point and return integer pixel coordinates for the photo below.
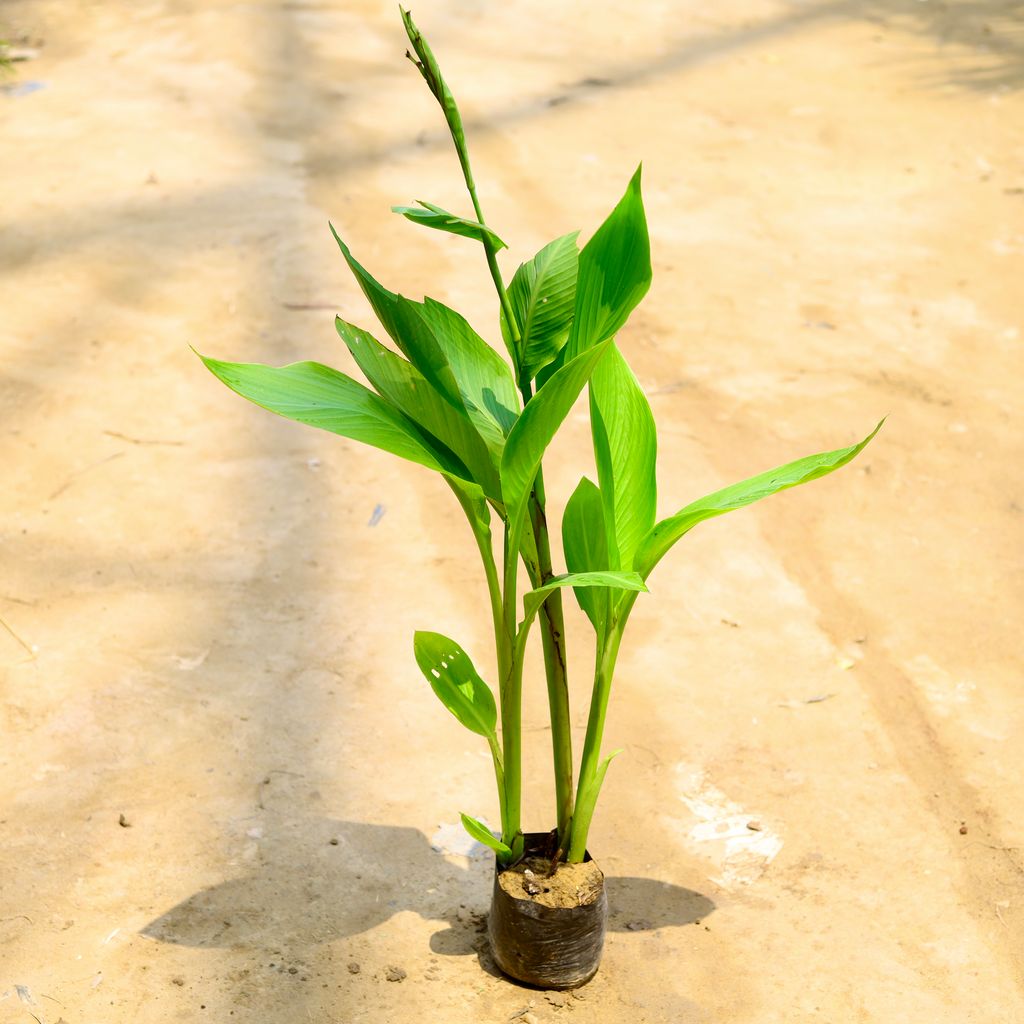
(556, 668)
(482, 535)
(510, 669)
(592, 769)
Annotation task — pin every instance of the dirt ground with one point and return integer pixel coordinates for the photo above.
(222, 779)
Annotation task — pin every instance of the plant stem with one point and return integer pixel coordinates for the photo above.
(556, 668)
(509, 658)
(510, 669)
(592, 769)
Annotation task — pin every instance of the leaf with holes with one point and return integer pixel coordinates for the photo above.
(458, 686)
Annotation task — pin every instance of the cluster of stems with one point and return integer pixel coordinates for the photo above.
(535, 551)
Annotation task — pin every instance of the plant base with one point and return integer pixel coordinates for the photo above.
(548, 932)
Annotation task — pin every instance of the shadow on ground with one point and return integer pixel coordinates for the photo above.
(313, 880)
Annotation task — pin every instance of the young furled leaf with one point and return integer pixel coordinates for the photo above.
(543, 297)
(625, 448)
(456, 682)
(614, 274)
(432, 216)
(668, 531)
(315, 394)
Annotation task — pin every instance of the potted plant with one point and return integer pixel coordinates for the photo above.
(448, 401)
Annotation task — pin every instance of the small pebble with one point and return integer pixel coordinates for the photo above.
(293, 970)
(642, 925)
(177, 980)
(963, 830)
(353, 967)
(334, 841)
(395, 974)
(123, 821)
(754, 826)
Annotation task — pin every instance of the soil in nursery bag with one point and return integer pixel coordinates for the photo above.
(572, 885)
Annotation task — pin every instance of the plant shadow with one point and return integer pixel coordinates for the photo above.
(312, 880)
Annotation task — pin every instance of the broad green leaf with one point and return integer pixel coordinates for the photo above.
(533, 431)
(482, 834)
(668, 531)
(614, 274)
(427, 66)
(533, 599)
(483, 377)
(625, 447)
(453, 678)
(405, 387)
(403, 321)
(321, 397)
(432, 216)
(586, 549)
(543, 297)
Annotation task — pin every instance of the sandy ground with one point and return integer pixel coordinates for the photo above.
(220, 771)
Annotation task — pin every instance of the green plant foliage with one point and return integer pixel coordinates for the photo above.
(533, 599)
(625, 448)
(432, 216)
(482, 834)
(458, 685)
(614, 273)
(447, 400)
(405, 388)
(533, 431)
(802, 471)
(586, 547)
(543, 299)
(321, 397)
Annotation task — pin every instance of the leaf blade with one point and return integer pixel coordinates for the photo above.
(403, 322)
(533, 431)
(543, 298)
(614, 272)
(586, 548)
(408, 390)
(319, 396)
(431, 216)
(456, 682)
(661, 538)
(626, 450)
(482, 834)
(484, 378)
(533, 599)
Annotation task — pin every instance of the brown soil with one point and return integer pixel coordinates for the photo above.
(207, 612)
(572, 885)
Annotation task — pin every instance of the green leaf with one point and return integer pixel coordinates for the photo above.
(432, 216)
(321, 397)
(482, 834)
(453, 678)
(543, 298)
(405, 387)
(625, 447)
(483, 377)
(614, 274)
(533, 431)
(668, 531)
(586, 549)
(404, 323)
(533, 599)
